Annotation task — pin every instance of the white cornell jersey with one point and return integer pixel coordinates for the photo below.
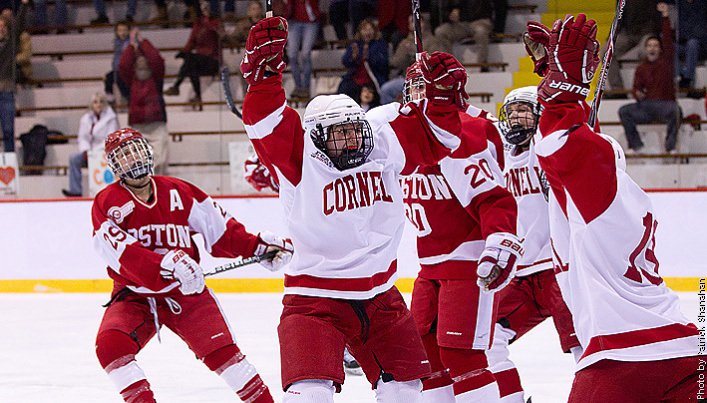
(346, 225)
(523, 180)
(603, 228)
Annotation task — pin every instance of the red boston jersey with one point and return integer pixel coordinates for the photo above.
(131, 236)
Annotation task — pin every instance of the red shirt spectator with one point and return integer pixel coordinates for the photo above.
(204, 37)
(653, 79)
(142, 69)
(303, 10)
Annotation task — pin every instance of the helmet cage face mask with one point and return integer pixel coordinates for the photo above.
(335, 141)
(414, 87)
(519, 128)
(132, 160)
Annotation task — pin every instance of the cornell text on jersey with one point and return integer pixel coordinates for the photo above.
(358, 190)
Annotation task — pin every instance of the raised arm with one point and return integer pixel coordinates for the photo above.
(579, 163)
(273, 127)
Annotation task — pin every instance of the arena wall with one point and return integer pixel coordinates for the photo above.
(46, 245)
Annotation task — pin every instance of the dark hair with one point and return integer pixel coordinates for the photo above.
(654, 37)
(122, 22)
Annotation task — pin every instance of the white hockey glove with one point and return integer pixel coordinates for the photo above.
(271, 242)
(497, 264)
(177, 265)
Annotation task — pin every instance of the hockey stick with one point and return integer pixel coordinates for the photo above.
(416, 18)
(226, 74)
(241, 263)
(608, 56)
(226, 83)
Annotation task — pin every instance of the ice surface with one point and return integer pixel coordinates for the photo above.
(47, 353)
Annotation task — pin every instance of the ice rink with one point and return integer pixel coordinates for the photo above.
(47, 353)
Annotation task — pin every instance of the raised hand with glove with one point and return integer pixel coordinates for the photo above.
(497, 264)
(445, 79)
(264, 49)
(178, 265)
(270, 242)
(572, 55)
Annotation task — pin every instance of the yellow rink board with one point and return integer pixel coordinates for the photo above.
(235, 285)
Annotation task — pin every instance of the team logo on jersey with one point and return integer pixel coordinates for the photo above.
(118, 214)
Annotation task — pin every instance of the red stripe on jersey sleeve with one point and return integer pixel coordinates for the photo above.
(277, 139)
(342, 284)
(583, 164)
(640, 337)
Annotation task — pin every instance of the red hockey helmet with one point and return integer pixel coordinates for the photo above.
(129, 155)
(414, 88)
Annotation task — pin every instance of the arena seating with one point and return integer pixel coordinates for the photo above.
(71, 68)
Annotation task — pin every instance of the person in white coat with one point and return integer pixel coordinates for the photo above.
(95, 126)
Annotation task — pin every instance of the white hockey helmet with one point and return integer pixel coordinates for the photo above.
(516, 129)
(338, 128)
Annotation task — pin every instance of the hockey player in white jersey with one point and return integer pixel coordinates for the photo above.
(533, 295)
(638, 346)
(338, 175)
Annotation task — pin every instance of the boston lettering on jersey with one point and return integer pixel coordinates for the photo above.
(163, 235)
(362, 189)
(522, 181)
(425, 187)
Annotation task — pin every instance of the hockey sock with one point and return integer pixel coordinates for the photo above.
(438, 387)
(473, 382)
(310, 391)
(139, 392)
(239, 374)
(509, 386)
(399, 392)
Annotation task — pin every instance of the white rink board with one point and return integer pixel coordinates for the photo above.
(52, 239)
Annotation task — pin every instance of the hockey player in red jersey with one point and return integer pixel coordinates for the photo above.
(533, 295)
(459, 207)
(338, 172)
(142, 228)
(638, 346)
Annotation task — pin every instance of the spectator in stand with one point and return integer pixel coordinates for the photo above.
(368, 99)
(639, 21)
(229, 9)
(95, 126)
(692, 38)
(654, 89)
(393, 20)
(202, 53)
(60, 16)
(142, 69)
(23, 57)
(10, 29)
(366, 58)
(120, 43)
(500, 11)
(191, 13)
(254, 14)
(404, 56)
(102, 16)
(353, 11)
(303, 18)
(468, 19)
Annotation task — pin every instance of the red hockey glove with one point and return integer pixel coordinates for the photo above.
(445, 79)
(258, 176)
(177, 265)
(264, 48)
(536, 41)
(497, 264)
(269, 242)
(573, 58)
